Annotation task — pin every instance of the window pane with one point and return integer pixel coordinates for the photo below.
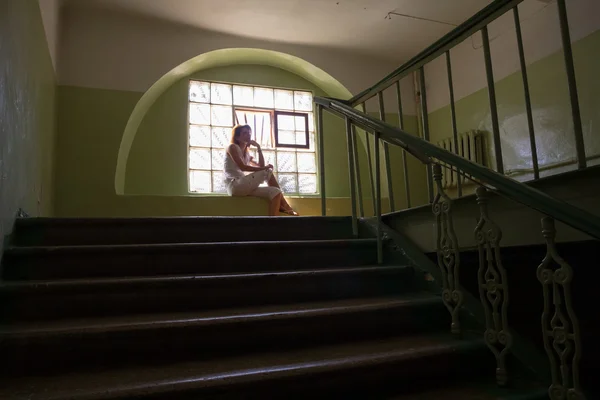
(221, 116)
(303, 101)
(301, 138)
(199, 114)
(307, 162)
(220, 93)
(300, 123)
(243, 96)
(307, 184)
(218, 181)
(200, 92)
(311, 147)
(269, 157)
(199, 158)
(286, 161)
(218, 159)
(286, 137)
(199, 136)
(284, 99)
(260, 123)
(285, 123)
(288, 183)
(220, 137)
(200, 181)
(263, 97)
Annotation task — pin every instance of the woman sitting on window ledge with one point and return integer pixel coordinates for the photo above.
(238, 161)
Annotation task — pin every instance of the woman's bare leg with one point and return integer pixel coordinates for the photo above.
(273, 182)
(275, 205)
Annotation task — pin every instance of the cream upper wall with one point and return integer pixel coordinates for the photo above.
(541, 38)
(111, 50)
(50, 10)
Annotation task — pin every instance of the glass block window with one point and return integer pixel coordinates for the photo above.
(281, 120)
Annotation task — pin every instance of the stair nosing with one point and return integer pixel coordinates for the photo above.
(33, 250)
(51, 284)
(103, 324)
(33, 221)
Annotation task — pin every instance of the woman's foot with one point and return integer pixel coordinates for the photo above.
(288, 211)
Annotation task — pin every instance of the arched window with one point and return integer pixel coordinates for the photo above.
(282, 122)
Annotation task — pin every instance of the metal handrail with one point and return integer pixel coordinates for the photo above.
(507, 187)
(447, 42)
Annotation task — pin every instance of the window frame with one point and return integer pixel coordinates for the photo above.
(276, 146)
(306, 132)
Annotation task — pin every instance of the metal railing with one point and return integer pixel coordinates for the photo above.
(444, 46)
(560, 327)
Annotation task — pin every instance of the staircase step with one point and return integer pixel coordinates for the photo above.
(105, 231)
(72, 262)
(161, 338)
(49, 299)
(476, 392)
(423, 360)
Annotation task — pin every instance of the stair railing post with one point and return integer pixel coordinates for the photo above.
(572, 82)
(321, 159)
(370, 162)
(378, 201)
(425, 120)
(489, 71)
(528, 110)
(453, 117)
(359, 195)
(386, 155)
(448, 252)
(350, 141)
(560, 326)
(493, 286)
(404, 159)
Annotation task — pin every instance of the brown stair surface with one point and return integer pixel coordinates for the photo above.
(97, 231)
(434, 358)
(22, 300)
(57, 262)
(227, 308)
(99, 342)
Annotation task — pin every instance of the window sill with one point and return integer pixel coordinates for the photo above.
(289, 196)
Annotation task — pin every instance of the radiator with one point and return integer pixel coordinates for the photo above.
(472, 146)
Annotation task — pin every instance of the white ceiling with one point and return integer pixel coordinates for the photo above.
(356, 25)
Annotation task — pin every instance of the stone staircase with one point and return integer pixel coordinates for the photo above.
(225, 308)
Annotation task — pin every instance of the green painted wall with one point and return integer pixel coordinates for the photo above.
(91, 123)
(27, 113)
(551, 109)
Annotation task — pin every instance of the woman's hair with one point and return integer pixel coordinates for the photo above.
(236, 132)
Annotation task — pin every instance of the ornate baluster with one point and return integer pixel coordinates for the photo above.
(562, 339)
(493, 286)
(448, 254)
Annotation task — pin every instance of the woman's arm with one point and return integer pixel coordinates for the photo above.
(234, 152)
(261, 158)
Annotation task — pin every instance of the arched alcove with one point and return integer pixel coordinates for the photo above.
(213, 59)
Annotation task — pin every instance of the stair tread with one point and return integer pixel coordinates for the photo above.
(61, 284)
(52, 221)
(32, 250)
(476, 392)
(140, 380)
(213, 317)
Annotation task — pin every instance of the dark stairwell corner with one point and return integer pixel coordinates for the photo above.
(251, 307)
